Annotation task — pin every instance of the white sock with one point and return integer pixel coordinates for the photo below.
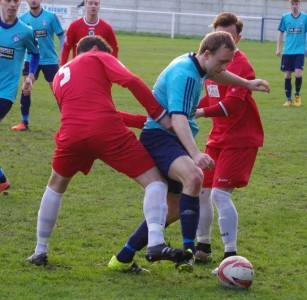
(47, 216)
(155, 210)
(228, 218)
(206, 216)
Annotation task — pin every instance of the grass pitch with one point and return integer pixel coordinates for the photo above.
(100, 211)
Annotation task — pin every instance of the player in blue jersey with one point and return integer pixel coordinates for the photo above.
(178, 90)
(15, 39)
(45, 25)
(294, 24)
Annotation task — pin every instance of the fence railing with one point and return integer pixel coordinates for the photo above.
(165, 22)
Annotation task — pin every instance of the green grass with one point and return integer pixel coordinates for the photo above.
(100, 211)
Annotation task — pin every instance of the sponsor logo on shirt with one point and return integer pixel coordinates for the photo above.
(223, 180)
(213, 90)
(295, 30)
(7, 53)
(40, 33)
(91, 32)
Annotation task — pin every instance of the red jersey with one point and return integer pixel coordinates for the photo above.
(83, 92)
(81, 28)
(241, 127)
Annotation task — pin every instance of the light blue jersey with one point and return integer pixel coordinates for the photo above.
(14, 41)
(178, 89)
(295, 29)
(45, 26)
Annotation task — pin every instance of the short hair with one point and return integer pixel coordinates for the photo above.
(215, 40)
(226, 19)
(88, 42)
(290, 1)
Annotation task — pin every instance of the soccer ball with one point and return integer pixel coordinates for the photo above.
(235, 272)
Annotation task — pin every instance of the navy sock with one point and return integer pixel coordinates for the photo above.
(288, 88)
(137, 241)
(25, 102)
(298, 85)
(189, 216)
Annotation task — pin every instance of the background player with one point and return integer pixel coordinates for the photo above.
(88, 25)
(45, 25)
(15, 39)
(294, 24)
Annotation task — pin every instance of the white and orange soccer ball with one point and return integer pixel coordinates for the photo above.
(235, 272)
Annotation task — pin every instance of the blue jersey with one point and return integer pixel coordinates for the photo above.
(295, 29)
(178, 90)
(14, 41)
(45, 26)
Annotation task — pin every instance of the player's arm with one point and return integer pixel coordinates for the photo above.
(61, 40)
(183, 131)
(143, 94)
(280, 37)
(227, 77)
(133, 120)
(29, 80)
(67, 45)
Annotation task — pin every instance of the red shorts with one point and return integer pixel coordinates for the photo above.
(123, 152)
(233, 167)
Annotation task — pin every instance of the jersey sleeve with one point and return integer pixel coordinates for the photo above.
(119, 74)
(57, 27)
(68, 44)
(31, 43)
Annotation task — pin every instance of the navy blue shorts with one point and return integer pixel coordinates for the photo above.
(292, 62)
(49, 71)
(5, 107)
(164, 148)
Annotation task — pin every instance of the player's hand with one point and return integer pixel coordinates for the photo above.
(166, 122)
(204, 161)
(259, 85)
(27, 87)
(278, 53)
(199, 113)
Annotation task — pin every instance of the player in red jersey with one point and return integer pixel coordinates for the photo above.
(233, 143)
(88, 25)
(91, 129)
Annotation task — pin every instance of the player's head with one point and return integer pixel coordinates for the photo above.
(92, 7)
(216, 50)
(93, 43)
(295, 6)
(229, 22)
(34, 4)
(9, 8)
(215, 40)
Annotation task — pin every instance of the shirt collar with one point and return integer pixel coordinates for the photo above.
(192, 56)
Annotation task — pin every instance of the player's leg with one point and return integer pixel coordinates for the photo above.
(131, 152)
(206, 212)
(5, 107)
(25, 102)
(234, 169)
(287, 67)
(138, 240)
(299, 65)
(66, 162)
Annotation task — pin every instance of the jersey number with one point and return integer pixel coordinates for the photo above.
(66, 72)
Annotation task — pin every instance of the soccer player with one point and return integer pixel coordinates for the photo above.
(88, 25)
(15, 39)
(294, 24)
(233, 143)
(45, 25)
(178, 89)
(91, 129)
